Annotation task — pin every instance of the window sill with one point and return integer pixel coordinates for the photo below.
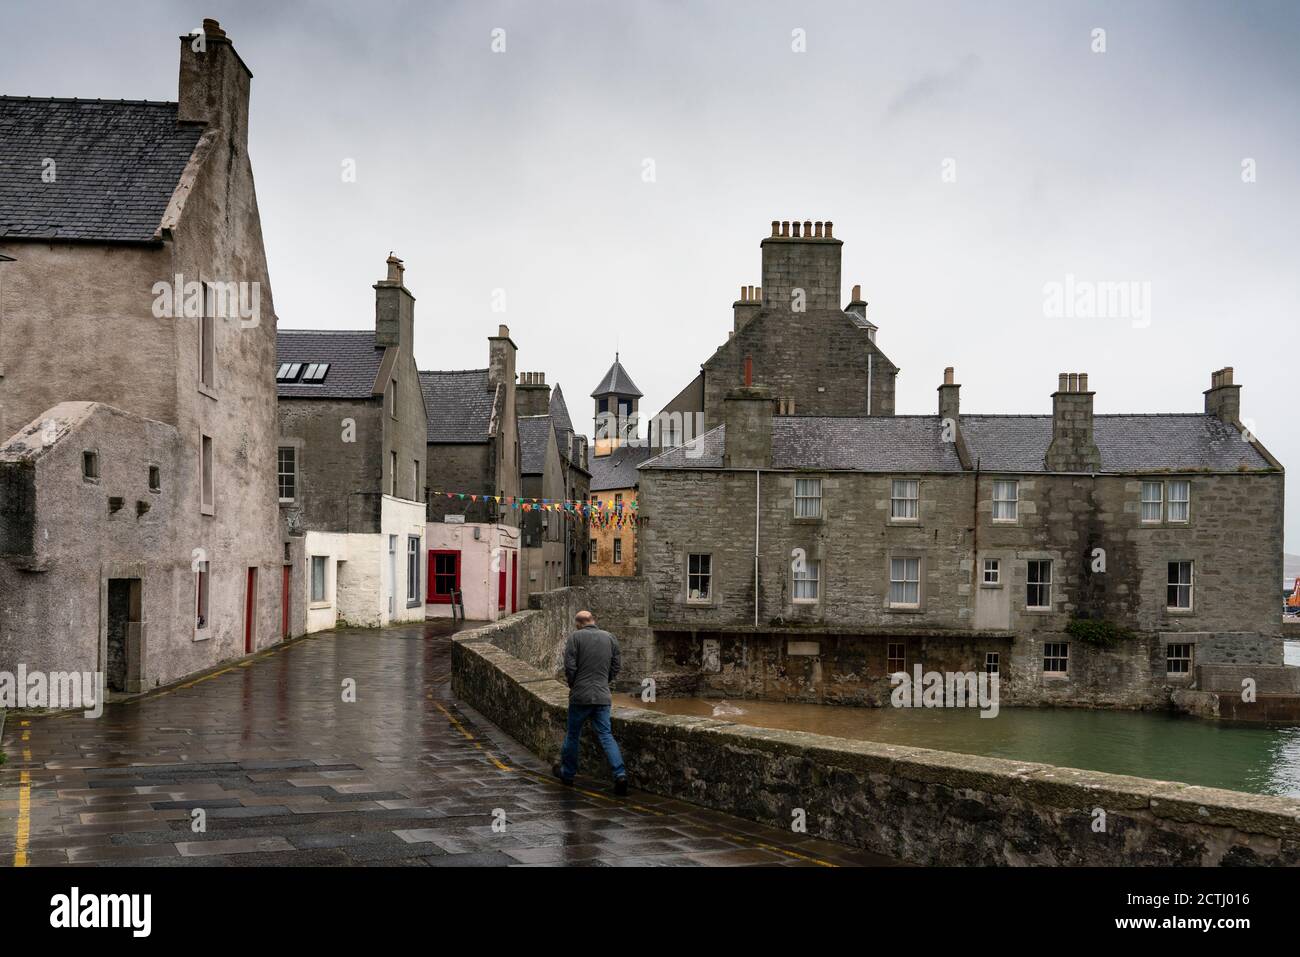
(905, 522)
(1056, 676)
(904, 609)
(1004, 521)
(1180, 612)
(698, 604)
(992, 586)
(207, 510)
(1039, 610)
(207, 390)
(202, 635)
(288, 501)
(807, 520)
(414, 604)
(806, 601)
(316, 605)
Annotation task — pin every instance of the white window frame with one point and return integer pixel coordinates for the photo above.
(898, 577)
(1146, 503)
(292, 474)
(905, 500)
(1188, 659)
(807, 580)
(807, 498)
(993, 565)
(202, 595)
(412, 571)
(618, 550)
(1010, 507)
(1056, 651)
(1040, 583)
(1189, 585)
(1184, 504)
(324, 599)
(705, 577)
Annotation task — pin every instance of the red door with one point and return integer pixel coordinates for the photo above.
(501, 582)
(250, 603)
(284, 603)
(514, 581)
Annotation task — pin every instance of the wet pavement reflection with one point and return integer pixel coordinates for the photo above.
(264, 762)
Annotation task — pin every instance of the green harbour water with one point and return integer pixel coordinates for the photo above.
(1159, 745)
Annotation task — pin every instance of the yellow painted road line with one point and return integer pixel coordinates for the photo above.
(778, 850)
(24, 813)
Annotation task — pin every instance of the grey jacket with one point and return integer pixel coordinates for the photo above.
(591, 662)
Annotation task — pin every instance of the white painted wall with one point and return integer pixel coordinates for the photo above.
(478, 569)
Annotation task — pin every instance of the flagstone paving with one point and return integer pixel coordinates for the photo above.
(281, 771)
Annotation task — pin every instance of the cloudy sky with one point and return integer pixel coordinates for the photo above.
(969, 154)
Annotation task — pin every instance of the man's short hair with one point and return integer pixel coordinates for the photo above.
(585, 618)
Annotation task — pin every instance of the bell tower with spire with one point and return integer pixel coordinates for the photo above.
(617, 402)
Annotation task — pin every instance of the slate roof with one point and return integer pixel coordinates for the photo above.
(616, 380)
(1173, 442)
(534, 430)
(1002, 443)
(618, 469)
(117, 163)
(559, 411)
(459, 405)
(353, 357)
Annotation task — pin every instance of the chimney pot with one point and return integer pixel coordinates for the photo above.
(503, 331)
(785, 228)
(212, 28)
(818, 228)
(744, 297)
(776, 227)
(758, 293)
(857, 293)
(1083, 382)
(829, 224)
(795, 234)
(948, 376)
(807, 229)
(1063, 382)
(1227, 375)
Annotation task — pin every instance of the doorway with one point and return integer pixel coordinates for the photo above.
(285, 582)
(122, 667)
(250, 611)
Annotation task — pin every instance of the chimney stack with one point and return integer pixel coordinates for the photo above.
(804, 257)
(747, 306)
(747, 416)
(501, 359)
(1223, 397)
(1073, 447)
(394, 308)
(214, 83)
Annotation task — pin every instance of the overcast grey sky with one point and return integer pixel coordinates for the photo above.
(523, 171)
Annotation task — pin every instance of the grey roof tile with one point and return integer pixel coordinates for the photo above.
(117, 164)
(1002, 443)
(352, 354)
(559, 410)
(459, 405)
(534, 432)
(618, 469)
(617, 381)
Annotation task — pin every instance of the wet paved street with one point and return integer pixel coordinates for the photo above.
(285, 772)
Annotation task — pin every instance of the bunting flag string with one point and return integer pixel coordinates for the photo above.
(602, 514)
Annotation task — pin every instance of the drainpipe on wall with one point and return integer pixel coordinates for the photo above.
(758, 500)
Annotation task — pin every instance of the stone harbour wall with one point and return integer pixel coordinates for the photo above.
(917, 805)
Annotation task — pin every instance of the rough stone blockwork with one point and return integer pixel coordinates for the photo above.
(928, 807)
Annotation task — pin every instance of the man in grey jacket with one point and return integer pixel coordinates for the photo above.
(591, 661)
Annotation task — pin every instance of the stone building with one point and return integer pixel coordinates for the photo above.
(817, 357)
(617, 451)
(137, 400)
(473, 535)
(351, 467)
(1108, 560)
(555, 482)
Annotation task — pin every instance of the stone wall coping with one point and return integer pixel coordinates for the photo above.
(1066, 788)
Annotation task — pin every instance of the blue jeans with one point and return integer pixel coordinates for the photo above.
(598, 714)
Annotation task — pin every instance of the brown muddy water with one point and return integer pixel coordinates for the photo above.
(1144, 744)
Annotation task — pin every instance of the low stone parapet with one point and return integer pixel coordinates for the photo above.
(924, 806)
